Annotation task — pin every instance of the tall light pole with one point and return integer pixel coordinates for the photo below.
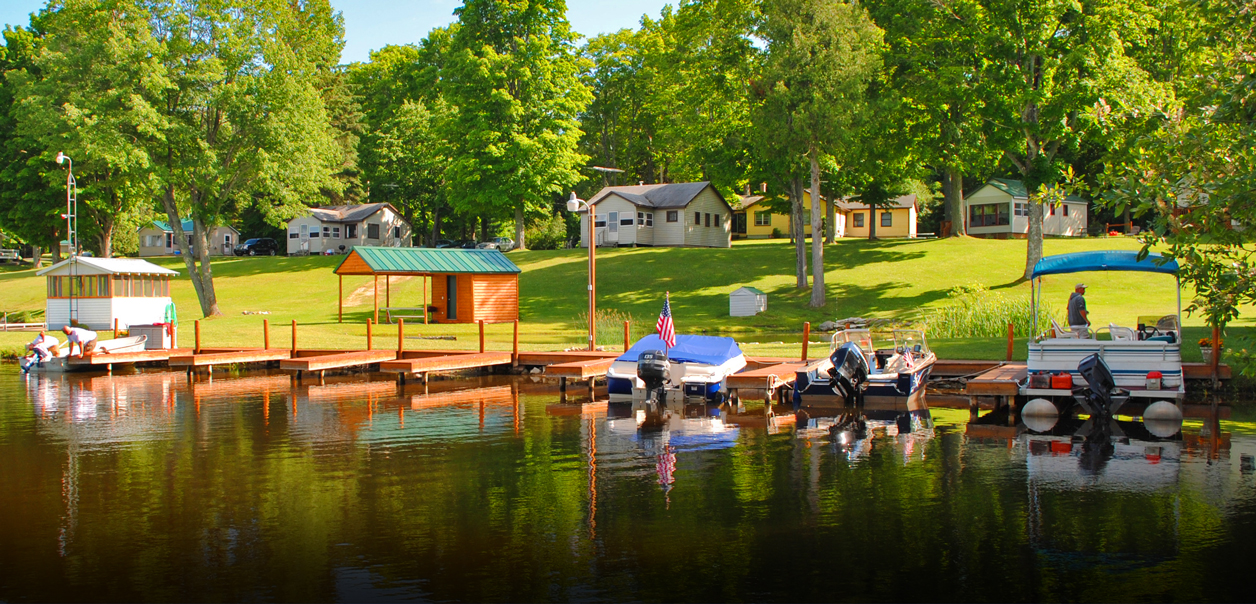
(573, 205)
(71, 205)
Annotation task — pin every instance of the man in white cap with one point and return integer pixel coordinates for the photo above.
(1078, 317)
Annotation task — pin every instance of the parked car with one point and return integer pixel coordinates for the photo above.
(504, 244)
(263, 246)
(445, 243)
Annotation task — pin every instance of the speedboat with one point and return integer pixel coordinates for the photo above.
(887, 383)
(61, 364)
(1129, 355)
(693, 370)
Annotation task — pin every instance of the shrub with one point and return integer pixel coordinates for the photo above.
(547, 234)
(974, 311)
(777, 234)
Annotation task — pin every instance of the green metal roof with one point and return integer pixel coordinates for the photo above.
(753, 290)
(432, 260)
(165, 226)
(1016, 188)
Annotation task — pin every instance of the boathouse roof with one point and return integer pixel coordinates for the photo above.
(87, 265)
(373, 260)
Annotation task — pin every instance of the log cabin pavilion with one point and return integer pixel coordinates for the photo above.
(465, 286)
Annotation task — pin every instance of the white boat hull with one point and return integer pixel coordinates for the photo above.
(1130, 362)
(687, 381)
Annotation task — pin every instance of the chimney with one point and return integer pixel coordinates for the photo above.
(763, 187)
(640, 183)
(747, 189)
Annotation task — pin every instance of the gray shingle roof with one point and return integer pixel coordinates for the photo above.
(904, 201)
(666, 195)
(348, 213)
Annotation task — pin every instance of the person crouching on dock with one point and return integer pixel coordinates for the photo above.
(86, 340)
(42, 348)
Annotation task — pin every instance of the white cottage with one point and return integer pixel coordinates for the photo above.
(339, 228)
(1000, 209)
(93, 292)
(684, 214)
(747, 302)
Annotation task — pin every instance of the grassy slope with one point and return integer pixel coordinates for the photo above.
(892, 279)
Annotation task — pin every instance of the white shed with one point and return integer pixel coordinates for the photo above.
(747, 302)
(93, 292)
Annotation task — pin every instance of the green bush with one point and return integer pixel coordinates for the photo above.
(777, 234)
(610, 326)
(547, 234)
(976, 312)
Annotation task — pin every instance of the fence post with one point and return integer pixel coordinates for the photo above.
(1011, 334)
(198, 337)
(481, 335)
(806, 338)
(115, 327)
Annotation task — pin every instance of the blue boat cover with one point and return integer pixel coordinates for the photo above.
(1110, 260)
(711, 350)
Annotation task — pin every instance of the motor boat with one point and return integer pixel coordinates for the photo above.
(61, 364)
(694, 370)
(887, 383)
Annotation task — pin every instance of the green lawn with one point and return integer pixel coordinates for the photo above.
(890, 279)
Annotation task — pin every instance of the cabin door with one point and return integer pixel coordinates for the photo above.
(451, 295)
(612, 227)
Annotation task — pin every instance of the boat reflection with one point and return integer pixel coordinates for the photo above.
(853, 430)
(677, 428)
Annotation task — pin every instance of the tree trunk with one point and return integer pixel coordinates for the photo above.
(200, 237)
(56, 252)
(1033, 251)
(104, 239)
(37, 254)
(435, 223)
(953, 192)
(519, 231)
(830, 221)
(800, 245)
(872, 222)
(202, 282)
(817, 245)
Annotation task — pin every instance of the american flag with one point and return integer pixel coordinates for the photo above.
(667, 331)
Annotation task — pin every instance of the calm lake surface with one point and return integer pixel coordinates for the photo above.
(149, 487)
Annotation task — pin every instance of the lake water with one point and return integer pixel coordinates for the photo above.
(148, 487)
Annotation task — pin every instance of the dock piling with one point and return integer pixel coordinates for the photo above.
(514, 350)
(806, 339)
(198, 336)
(401, 336)
(294, 342)
(1011, 334)
(370, 336)
(115, 327)
(625, 336)
(481, 335)
(266, 334)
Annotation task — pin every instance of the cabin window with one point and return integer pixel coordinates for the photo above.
(708, 220)
(1065, 209)
(763, 219)
(717, 220)
(599, 223)
(887, 219)
(335, 232)
(990, 214)
(396, 232)
(293, 235)
(313, 234)
(1051, 209)
(859, 220)
(372, 231)
(640, 218)
(351, 231)
(697, 219)
(326, 231)
(625, 221)
(1020, 209)
(673, 216)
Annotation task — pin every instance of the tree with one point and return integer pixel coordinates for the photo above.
(514, 77)
(242, 120)
(79, 96)
(821, 57)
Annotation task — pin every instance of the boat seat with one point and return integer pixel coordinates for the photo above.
(895, 364)
(1060, 332)
(1122, 334)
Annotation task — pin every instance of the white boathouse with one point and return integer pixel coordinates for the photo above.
(94, 292)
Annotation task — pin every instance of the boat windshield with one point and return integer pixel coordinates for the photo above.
(861, 337)
(911, 339)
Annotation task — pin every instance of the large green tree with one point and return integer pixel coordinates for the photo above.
(822, 55)
(513, 76)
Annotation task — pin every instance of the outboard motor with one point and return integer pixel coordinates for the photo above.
(1100, 396)
(849, 374)
(653, 368)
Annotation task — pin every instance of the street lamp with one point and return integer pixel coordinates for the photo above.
(573, 205)
(71, 205)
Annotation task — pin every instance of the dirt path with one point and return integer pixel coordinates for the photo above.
(363, 294)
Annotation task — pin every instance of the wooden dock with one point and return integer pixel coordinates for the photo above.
(210, 358)
(769, 378)
(433, 364)
(343, 360)
(109, 359)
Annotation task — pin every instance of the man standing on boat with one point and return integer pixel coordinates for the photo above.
(86, 340)
(1078, 317)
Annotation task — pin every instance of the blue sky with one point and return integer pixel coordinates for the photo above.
(371, 24)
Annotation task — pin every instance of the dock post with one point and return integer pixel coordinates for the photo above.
(1010, 401)
(198, 336)
(1011, 333)
(340, 301)
(375, 294)
(972, 408)
(591, 392)
(806, 337)
(514, 357)
(625, 336)
(266, 333)
(401, 336)
(388, 291)
(562, 386)
(370, 339)
(294, 343)
(481, 335)
(115, 327)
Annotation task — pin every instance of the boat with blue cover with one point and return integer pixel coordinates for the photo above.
(695, 369)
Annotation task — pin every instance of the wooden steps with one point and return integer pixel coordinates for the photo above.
(250, 355)
(338, 360)
(999, 381)
(580, 370)
(445, 363)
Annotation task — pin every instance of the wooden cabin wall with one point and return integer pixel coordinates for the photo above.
(466, 298)
(496, 297)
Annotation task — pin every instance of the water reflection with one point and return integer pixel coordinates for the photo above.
(150, 486)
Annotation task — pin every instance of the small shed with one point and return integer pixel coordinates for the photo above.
(466, 286)
(94, 292)
(747, 302)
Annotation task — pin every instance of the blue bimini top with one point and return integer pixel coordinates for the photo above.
(710, 350)
(1110, 260)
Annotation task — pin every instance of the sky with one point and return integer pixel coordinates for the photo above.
(373, 24)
